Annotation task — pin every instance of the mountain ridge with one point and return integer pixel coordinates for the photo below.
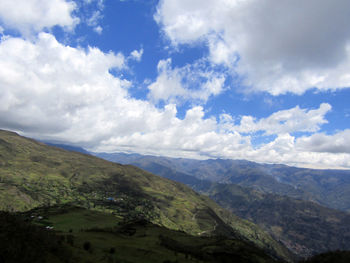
(330, 188)
(304, 227)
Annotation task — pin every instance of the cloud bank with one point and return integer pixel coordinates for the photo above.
(53, 91)
(276, 46)
(33, 16)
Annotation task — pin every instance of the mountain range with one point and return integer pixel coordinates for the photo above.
(143, 209)
(330, 188)
(34, 175)
(284, 211)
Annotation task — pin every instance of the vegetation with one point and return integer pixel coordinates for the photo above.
(21, 241)
(306, 228)
(34, 175)
(330, 257)
(134, 241)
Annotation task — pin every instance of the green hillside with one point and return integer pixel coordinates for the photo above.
(81, 235)
(33, 174)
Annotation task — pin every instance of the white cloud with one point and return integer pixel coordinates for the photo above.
(99, 3)
(286, 121)
(336, 143)
(164, 134)
(47, 86)
(98, 30)
(53, 91)
(33, 16)
(278, 46)
(191, 82)
(56, 92)
(136, 55)
(92, 14)
(93, 21)
(287, 149)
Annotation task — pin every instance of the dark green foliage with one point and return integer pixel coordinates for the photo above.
(87, 245)
(70, 239)
(330, 257)
(23, 242)
(216, 250)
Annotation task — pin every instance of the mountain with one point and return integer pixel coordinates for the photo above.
(330, 188)
(305, 227)
(68, 147)
(33, 174)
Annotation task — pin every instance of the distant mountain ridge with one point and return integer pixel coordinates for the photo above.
(68, 147)
(330, 188)
(304, 227)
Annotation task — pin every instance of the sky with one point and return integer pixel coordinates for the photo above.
(262, 80)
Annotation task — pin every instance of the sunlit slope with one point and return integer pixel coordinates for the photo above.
(33, 174)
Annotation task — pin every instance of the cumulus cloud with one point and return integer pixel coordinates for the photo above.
(191, 82)
(163, 133)
(278, 46)
(33, 16)
(336, 143)
(53, 91)
(47, 86)
(136, 55)
(56, 92)
(284, 121)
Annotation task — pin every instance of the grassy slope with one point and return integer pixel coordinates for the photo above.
(33, 174)
(108, 240)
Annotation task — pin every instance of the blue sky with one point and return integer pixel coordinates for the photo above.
(260, 80)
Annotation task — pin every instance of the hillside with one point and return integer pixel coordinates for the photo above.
(81, 235)
(329, 188)
(305, 227)
(33, 174)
